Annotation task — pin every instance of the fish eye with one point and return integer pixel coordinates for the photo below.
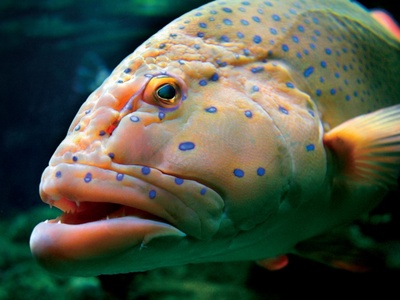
(163, 91)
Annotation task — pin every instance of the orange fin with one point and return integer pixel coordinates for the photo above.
(387, 21)
(368, 147)
(274, 263)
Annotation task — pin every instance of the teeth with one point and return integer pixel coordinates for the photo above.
(77, 203)
(107, 218)
(59, 222)
(47, 221)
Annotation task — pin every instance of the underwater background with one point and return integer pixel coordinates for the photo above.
(52, 55)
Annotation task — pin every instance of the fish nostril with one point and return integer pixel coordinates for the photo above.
(112, 127)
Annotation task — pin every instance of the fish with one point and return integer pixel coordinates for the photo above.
(239, 131)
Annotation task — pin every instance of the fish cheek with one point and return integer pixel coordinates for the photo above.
(135, 140)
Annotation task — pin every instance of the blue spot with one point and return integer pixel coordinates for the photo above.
(312, 46)
(246, 52)
(285, 47)
(214, 77)
(323, 64)
(328, 51)
(333, 91)
(225, 39)
(290, 85)
(186, 146)
(260, 171)
(238, 173)
(75, 158)
(348, 97)
(244, 22)
(120, 81)
(283, 110)
(299, 55)
(295, 39)
(260, 11)
(119, 177)
(256, 19)
(315, 20)
(178, 181)
(292, 11)
(203, 25)
(198, 14)
(161, 115)
(221, 63)
(337, 75)
(310, 147)
(248, 114)
(87, 112)
(146, 170)
(134, 119)
(306, 52)
(213, 12)
(322, 79)
(77, 128)
(240, 35)
(317, 32)
(255, 88)
(102, 132)
(300, 28)
(152, 194)
(356, 94)
(58, 174)
(345, 68)
(111, 155)
(88, 177)
(227, 22)
(311, 113)
(319, 92)
(227, 9)
(276, 18)
(200, 34)
(203, 82)
(308, 71)
(246, 3)
(267, 3)
(257, 69)
(211, 109)
(203, 191)
(127, 70)
(257, 39)
(273, 31)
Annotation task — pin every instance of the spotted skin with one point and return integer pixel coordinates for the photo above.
(229, 158)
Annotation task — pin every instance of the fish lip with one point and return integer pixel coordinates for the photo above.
(69, 183)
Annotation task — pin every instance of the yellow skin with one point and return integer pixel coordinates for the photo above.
(233, 164)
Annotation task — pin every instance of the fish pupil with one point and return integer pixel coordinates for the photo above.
(166, 92)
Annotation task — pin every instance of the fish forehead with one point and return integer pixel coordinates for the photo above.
(333, 49)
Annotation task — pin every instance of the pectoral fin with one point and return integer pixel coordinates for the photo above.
(368, 147)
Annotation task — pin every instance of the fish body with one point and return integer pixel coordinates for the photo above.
(234, 133)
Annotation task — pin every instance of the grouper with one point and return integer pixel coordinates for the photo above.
(237, 132)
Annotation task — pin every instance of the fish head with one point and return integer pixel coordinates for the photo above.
(176, 154)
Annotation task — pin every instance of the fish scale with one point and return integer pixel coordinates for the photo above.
(234, 133)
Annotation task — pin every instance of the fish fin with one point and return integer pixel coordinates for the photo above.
(274, 263)
(344, 248)
(368, 147)
(387, 21)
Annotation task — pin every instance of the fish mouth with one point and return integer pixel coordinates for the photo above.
(108, 211)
